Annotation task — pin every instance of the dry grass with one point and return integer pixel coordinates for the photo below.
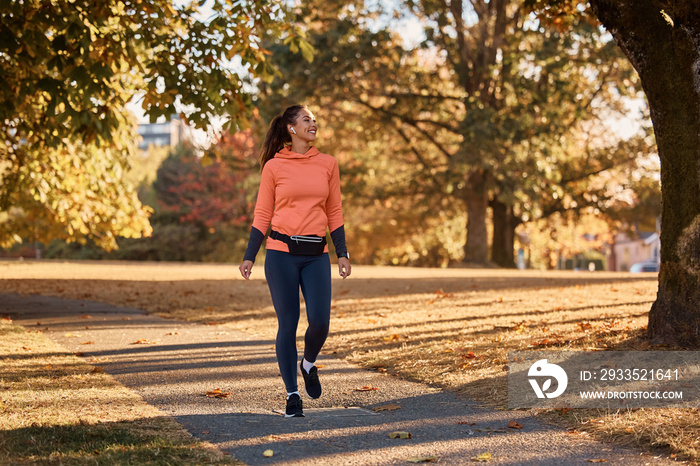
(449, 327)
(56, 409)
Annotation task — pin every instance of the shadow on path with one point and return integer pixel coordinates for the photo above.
(176, 363)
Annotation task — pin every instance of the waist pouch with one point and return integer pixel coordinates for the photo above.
(302, 245)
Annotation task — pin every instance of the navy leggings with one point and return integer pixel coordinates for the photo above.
(285, 273)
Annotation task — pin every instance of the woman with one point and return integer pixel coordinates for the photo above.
(299, 196)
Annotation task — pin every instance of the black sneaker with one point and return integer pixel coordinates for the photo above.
(295, 407)
(312, 386)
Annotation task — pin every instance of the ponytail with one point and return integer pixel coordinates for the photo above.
(278, 136)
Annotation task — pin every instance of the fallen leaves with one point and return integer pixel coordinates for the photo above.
(144, 341)
(597, 460)
(482, 458)
(442, 294)
(217, 393)
(548, 342)
(519, 328)
(400, 434)
(393, 337)
(562, 408)
(390, 407)
(514, 425)
(422, 459)
(268, 453)
(584, 326)
(378, 367)
(366, 388)
(88, 343)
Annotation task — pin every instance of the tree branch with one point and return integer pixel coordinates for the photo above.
(456, 8)
(426, 96)
(418, 155)
(410, 121)
(413, 123)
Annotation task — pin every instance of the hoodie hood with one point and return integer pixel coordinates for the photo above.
(287, 153)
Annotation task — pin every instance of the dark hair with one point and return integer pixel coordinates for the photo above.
(277, 136)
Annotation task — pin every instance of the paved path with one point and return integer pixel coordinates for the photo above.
(178, 362)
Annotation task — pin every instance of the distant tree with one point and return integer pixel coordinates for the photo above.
(74, 192)
(69, 67)
(208, 196)
(199, 205)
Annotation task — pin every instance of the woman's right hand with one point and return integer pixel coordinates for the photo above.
(246, 268)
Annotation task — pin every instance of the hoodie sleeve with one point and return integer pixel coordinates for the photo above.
(265, 204)
(334, 206)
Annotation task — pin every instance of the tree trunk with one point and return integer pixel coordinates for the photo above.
(476, 249)
(664, 47)
(503, 244)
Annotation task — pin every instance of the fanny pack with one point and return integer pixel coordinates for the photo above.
(302, 245)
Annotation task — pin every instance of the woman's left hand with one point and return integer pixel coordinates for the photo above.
(344, 267)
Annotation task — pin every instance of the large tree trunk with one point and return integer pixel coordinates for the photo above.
(476, 249)
(503, 243)
(662, 40)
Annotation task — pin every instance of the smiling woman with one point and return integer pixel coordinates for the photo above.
(300, 197)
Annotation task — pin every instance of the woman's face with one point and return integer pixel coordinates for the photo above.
(305, 126)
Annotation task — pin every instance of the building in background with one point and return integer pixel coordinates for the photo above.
(626, 251)
(168, 133)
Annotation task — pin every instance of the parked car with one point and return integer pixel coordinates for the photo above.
(645, 266)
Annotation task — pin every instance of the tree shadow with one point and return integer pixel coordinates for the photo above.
(141, 441)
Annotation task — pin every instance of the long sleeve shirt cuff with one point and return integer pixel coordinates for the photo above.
(338, 237)
(254, 242)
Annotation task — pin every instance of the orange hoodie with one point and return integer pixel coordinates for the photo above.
(299, 195)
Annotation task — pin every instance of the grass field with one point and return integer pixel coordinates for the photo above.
(448, 327)
(57, 409)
